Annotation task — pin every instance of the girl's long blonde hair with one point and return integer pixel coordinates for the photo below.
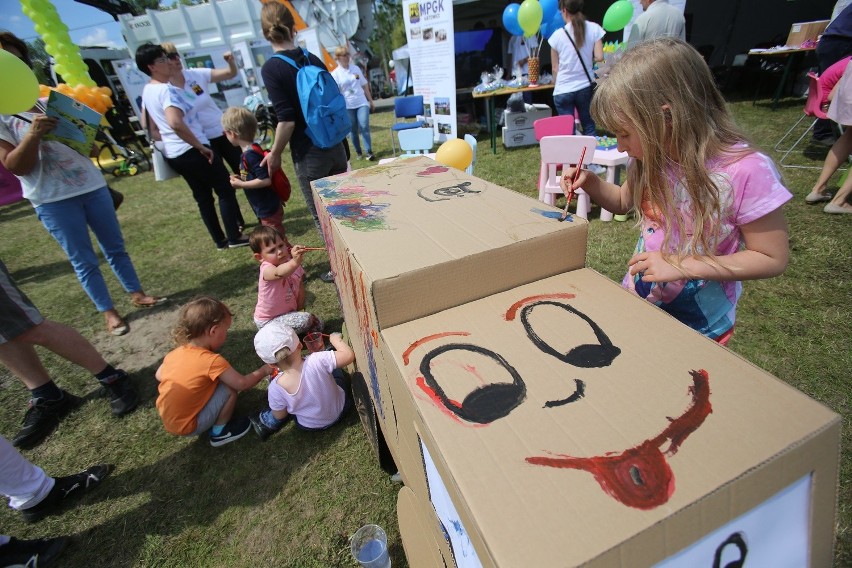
(197, 316)
(664, 89)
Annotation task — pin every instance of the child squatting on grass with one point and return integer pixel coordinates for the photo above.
(280, 285)
(709, 204)
(310, 389)
(240, 127)
(198, 388)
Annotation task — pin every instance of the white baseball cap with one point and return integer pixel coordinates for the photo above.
(272, 338)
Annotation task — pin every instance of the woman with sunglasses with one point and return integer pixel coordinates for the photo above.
(70, 196)
(186, 148)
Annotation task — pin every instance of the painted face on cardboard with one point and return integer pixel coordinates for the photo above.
(475, 386)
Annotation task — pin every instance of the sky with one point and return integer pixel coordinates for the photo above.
(86, 25)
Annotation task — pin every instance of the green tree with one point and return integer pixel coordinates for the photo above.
(389, 31)
(139, 6)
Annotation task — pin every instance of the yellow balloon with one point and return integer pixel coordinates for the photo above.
(455, 153)
(20, 90)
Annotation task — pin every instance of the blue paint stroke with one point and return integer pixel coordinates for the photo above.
(374, 377)
(552, 214)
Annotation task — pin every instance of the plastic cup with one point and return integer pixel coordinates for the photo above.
(314, 342)
(370, 547)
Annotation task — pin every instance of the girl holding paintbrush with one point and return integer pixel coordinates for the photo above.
(280, 286)
(709, 204)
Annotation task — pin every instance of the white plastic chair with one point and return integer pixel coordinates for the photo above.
(416, 141)
(557, 154)
(472, 141)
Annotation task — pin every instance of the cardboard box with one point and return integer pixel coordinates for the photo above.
(570, 423)
(412, 238)
(516, 138)
(545, 416)
(524, 120)
(803, 31)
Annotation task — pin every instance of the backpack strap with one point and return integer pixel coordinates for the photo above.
(256, 147)
(287, 59)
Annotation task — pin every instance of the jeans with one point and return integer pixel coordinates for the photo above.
(203, 179)
(360, 118)
(68, 221)
(317, 164)
(582, 100)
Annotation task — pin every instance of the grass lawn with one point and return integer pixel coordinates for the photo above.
(295, 499)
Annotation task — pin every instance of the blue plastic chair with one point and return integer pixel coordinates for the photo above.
(403, 108)
(414, 141)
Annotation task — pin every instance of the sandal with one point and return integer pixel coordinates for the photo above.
(149, 302)
(117, 328)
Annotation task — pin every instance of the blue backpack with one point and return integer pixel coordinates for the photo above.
(323, 106)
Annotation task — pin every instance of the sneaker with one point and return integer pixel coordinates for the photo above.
(234, 430)
(262, 430)
(370, 157)
(241, 242)
(42, 417)
(327, 277)
(122, 396)
(31, 553)
(65, 489)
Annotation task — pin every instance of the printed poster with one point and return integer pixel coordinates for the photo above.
(431, 47)
(77, 124)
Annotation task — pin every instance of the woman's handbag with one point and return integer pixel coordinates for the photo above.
(162, 170)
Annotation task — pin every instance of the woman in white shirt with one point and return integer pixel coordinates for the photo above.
(574, 48)
(356, 90)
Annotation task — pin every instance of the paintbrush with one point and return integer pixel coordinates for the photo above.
(313, 248)
(570, 195)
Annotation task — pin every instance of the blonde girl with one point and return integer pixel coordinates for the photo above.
(198, 388)
(709, 204)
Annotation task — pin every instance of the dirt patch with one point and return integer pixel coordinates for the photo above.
(147, 342)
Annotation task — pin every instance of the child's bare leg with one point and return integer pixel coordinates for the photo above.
(838, 154)
(227, 411)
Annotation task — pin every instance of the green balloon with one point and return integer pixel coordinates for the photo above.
(617, 16)
(20, 89)
(529, 17)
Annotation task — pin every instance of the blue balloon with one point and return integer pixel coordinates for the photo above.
(553, 24)
(510, 20)
(548, 8)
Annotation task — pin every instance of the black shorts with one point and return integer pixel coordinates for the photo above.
(17, 313)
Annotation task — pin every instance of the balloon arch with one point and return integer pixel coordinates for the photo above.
(23, 88)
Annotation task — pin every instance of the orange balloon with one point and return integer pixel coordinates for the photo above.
(43, 90)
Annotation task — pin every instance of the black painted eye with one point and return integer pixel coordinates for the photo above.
(486, 403)
(585, 356)
(737, 540)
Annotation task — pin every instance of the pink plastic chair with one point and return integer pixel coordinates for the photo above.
(557, 154)
(553, 126)
(816, 96)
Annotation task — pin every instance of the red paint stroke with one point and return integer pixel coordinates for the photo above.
(433, 170)
(641, 477)
(513, 310)
(422, 340)
(421, 382)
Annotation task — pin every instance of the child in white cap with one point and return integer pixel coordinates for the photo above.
(307, 389)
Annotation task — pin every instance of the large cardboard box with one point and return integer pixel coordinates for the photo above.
(412, 238)
(571, 423)
(803, 31)
(542, 416)
(524, 120)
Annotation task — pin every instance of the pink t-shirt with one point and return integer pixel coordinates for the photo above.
(750, 188)
(276, 297)
(318, 401)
